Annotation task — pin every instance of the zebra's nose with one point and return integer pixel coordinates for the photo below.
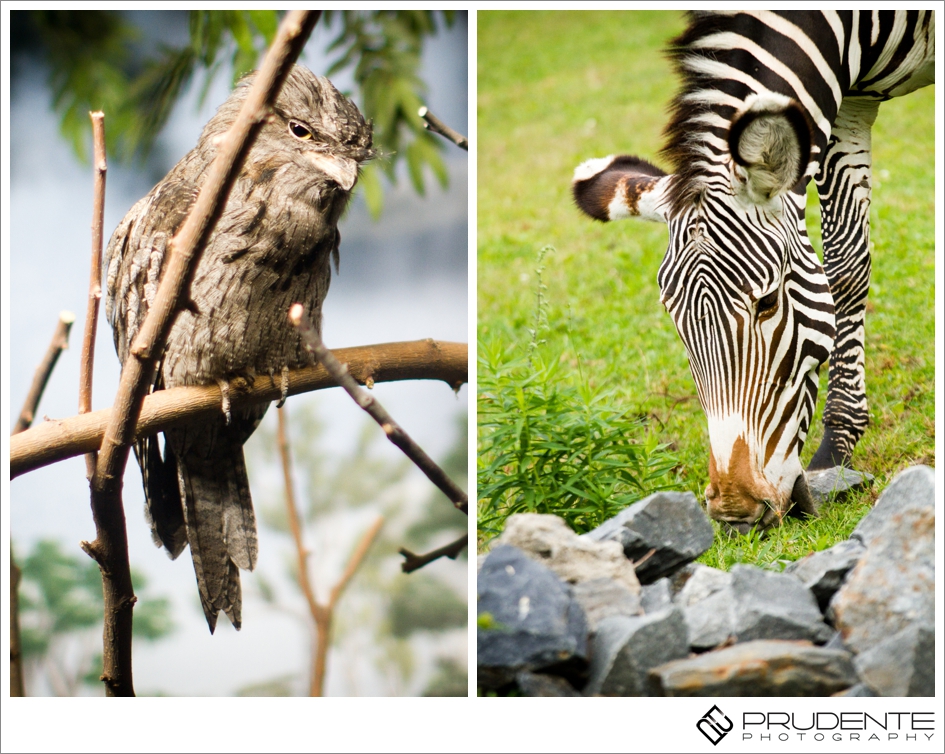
(737, 510)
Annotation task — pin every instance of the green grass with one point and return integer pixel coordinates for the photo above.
(556, 88)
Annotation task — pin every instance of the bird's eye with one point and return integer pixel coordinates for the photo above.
(766, 304)
(299, 131)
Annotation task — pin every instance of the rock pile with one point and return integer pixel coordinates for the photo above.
(624, 611)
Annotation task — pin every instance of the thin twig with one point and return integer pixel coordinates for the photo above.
(324, 613)
(52, 441)
(432, 123)
(295, 526)
(87, 361)
(110, 548)
(413, 561)
(59, 342)
(17, 687)
(365, 400)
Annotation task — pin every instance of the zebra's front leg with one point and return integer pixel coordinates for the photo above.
(844, 186)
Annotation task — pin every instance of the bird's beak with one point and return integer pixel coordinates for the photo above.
(341, 170)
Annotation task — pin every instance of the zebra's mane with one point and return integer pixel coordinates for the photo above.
(684, 144)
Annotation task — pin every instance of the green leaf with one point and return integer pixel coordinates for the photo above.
(370, 183)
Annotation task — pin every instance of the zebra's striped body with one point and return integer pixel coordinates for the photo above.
(769, 100)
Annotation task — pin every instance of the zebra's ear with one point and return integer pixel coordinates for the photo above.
(612, 188)
(770, 141)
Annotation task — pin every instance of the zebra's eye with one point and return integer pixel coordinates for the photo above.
(299, 131)
(767, 304)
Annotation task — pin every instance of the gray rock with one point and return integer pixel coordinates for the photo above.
(902, 665)
(624, 650)
(771, 605)
(657, 596)
(823, 572)
(892, 587)
(703, 582)
(757, 668)
(541, 684)
(550, 541)
(835, 482)
(660, 533)
(535, 623)
(912, 488)
(708, 603)
(603, 598)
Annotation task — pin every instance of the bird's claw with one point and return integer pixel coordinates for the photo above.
(225, 403)
(284, 387)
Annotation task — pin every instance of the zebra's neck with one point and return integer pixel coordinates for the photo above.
(815, 59)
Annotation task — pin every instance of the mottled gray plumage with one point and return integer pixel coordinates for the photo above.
(272, 247)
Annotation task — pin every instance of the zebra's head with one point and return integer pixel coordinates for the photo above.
(747, 294)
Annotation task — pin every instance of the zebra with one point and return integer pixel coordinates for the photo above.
(769, 100)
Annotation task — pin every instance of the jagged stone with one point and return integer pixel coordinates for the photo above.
(532, 620)
(657, 596)
(823, 572)
(660, 533)
(542, 684)
(912, 488)
(550, 541)
(624, 649)
(892, 586)
(757, 668)
(902, 665)
(603, 598)
(771, 605)
(835, 482)
(708, 603)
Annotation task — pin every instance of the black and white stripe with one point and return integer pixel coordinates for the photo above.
(770, 99)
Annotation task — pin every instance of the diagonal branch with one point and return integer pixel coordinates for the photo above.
(412, 561)
(59, 342)
(434, 124)
(394, 431)
(110, 548)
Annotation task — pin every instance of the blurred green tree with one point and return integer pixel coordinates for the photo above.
(61, 620)
(96, 61)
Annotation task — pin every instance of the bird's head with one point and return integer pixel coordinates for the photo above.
(312, 125)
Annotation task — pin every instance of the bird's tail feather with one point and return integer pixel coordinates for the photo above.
(218, 514)
(162, 508)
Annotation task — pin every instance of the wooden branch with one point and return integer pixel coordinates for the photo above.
(295, 527)
(394, 432)
(87, 361)
(16, 654)
(434, 124)
(59, 342)
(56, 440)
(412, 561)
(324, 614)
(110, 548)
